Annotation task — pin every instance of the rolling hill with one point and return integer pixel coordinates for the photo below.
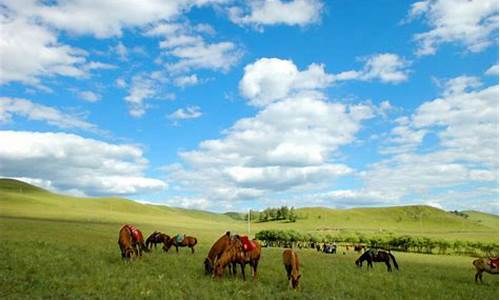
(21, 200)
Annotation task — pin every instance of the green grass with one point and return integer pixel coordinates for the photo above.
(62, 259)
(57, 246)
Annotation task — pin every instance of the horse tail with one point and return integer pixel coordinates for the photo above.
(195, 241)
(394, 261)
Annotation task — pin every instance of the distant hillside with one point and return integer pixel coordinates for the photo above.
(19, 199)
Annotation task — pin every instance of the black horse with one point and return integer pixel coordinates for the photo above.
(156, 238)
(373, 255)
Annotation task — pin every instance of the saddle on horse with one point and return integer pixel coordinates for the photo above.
(179, 238)
(494, 262)
(136, 234)
(247, 244)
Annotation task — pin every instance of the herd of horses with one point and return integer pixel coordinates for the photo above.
(231, 250)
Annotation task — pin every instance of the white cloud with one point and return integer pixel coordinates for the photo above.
(493, 70)
(69, 162)
(89, 96)
(472, 23)
(271, 79)
(465, 122)
(142, 88)
(213, 56)
(190, 112)
(29, 51)
(260, 13)
(121, 51)
(102, 19)
(191, 48)
(187, 80)
(288, 145)
(38, 112)
(385, 67)
(121, 83)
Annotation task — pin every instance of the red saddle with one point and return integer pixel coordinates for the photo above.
(248, 245)
(494, 262)
(136, 234)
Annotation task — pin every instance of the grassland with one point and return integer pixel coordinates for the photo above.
(56, 246)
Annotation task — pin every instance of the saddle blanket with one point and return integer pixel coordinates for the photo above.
(494, 262)
(179, 238)
(247, 244)
(136, 234)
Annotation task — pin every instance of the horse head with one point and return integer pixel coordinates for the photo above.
(208, 266)
(295, 280)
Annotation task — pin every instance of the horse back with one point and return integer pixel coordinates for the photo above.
(290, 258)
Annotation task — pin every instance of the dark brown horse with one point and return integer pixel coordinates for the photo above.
(235, 254)
(485, 265)
(187, 241)
(291, 262)
(131, 241)
(216, 251)
(156, 238)
(373, 255)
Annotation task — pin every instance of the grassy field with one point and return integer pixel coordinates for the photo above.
(61, 247)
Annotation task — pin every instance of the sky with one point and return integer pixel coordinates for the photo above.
(228, 105)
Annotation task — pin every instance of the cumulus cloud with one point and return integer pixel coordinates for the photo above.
(472, 23)
(262, 13)
(89, 96)
(493, 70)
(271, 79)
(384, 67)
(69, 162)
(102, 19)
(10, 107)
(190, 112)
(188, 80)
(465, 123)
(288, 145)
(30, 51)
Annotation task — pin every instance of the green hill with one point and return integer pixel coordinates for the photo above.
(21, 200)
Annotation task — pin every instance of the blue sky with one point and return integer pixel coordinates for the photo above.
(229, 105)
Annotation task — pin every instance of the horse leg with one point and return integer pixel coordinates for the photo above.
(255, 264)
(192, 250)
(389, 269)
(243, 270)
(177, 248)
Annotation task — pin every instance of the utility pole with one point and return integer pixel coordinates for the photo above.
(248, 226)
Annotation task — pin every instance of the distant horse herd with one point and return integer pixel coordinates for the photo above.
(232, 250)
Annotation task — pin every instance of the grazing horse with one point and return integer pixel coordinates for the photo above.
(291, 262)
(240, 253)
(186, 241)
(485, 265)
(156, 238)
(373, 255)
(216, 251)
(131, 241)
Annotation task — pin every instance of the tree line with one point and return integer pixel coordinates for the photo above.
(283, 213)
(406, 243)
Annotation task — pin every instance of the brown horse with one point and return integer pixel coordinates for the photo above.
(131, 241)
(291, 262)
(235, 254)
(156, 238)
(187, 241)
(216, 251)
(484, 265)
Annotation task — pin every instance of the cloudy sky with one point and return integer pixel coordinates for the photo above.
(229, 105)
